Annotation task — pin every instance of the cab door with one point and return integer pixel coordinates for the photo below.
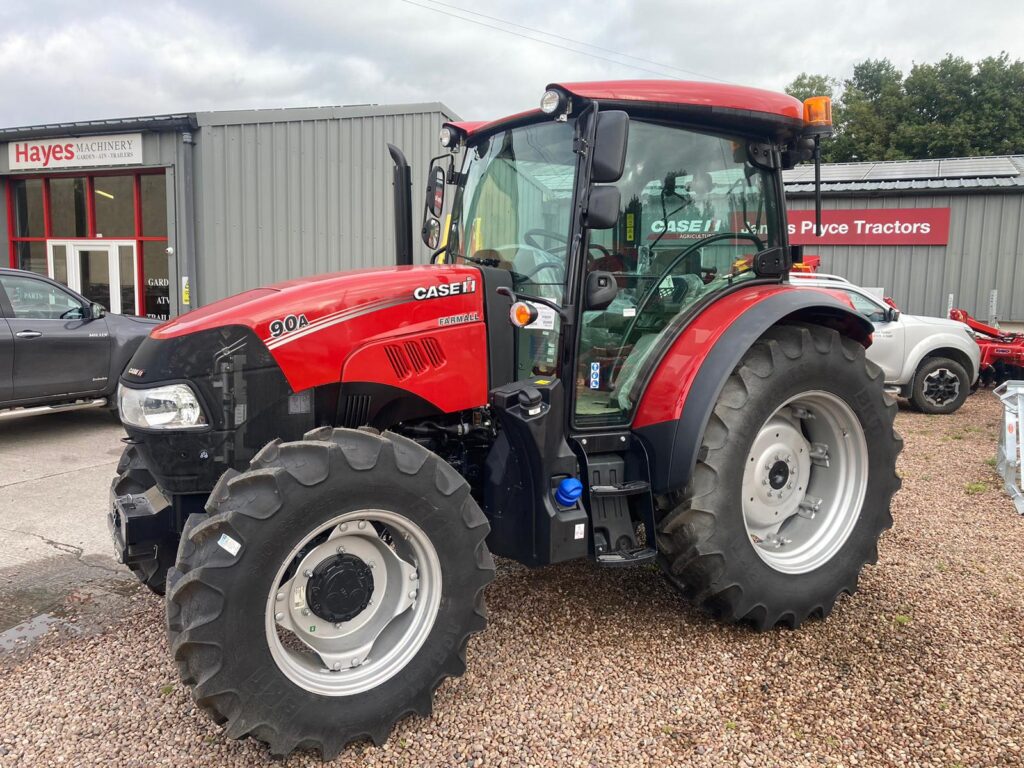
(56, 350)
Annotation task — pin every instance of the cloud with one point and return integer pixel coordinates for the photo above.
(64, 61)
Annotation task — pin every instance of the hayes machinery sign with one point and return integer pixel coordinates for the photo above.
(85, 152)
(873, 226)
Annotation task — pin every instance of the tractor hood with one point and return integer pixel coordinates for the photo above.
(311, 326)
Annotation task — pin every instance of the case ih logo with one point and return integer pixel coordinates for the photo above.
(119, 149)
(444, 289)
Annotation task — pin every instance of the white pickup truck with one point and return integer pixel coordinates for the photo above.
(933, 362)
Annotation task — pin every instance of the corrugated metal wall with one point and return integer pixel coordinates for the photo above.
(985, 251)
(288, 193)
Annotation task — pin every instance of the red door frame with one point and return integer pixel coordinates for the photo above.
(90, 206)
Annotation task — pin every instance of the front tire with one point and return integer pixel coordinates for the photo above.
(940, 385)
(329, 591)
(792, 486)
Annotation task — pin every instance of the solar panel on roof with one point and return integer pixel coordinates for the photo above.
(844, 171)
(977, 167)
(904, 169)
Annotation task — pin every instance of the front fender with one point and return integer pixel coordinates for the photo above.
(681, 394)
(943, 345)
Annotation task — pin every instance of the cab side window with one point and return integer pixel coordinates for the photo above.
(872, 311)
(34, 299)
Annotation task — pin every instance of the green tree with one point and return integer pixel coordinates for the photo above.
(947, 108)
(872, 107)
(806, 85)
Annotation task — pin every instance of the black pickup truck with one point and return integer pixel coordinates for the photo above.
(58, 350)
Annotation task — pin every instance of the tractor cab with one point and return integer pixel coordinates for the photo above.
(613, 223)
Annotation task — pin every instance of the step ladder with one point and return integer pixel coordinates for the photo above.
(619, 490)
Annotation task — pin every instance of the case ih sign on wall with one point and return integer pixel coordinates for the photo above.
(872, 226)
(53, 154)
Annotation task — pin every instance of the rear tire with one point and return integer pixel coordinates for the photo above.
(239, 590)
(940, 385)
(717, 541)
(133, 477)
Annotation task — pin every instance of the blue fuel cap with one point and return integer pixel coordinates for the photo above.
(569, 490)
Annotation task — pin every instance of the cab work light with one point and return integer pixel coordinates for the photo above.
(552, 102)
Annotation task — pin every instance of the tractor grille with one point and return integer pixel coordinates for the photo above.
(415, 357)
(355, 411)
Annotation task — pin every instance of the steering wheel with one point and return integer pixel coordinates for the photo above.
(642, 304)
(530, 236)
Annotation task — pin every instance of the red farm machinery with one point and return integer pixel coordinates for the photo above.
(604, 360)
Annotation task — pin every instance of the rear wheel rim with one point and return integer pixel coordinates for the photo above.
(804, 482)
(372, 633)
(941, 387)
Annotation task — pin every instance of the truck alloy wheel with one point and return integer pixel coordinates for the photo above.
(786, 502)
(329, 590)
(940, 386)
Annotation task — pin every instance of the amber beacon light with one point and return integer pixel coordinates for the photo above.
(818, 114)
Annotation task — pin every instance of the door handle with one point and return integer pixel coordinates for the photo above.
(28, 334)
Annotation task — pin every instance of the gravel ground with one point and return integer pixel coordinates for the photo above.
(590, 667)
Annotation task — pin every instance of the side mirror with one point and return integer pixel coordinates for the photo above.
(433, 207)
(610, 140)
(431, 232)
(892, 315)
(603, 208)
(601, 290)
(94, 312)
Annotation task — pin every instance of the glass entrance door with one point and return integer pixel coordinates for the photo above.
(102, 271)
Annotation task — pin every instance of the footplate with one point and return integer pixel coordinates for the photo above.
(627, 558)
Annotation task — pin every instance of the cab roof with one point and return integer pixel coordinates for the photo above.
(706, 102)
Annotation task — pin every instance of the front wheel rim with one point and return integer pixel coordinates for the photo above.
(343, 654)
(804, 482)
(941, 387)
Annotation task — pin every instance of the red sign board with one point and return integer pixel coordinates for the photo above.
(872, 226)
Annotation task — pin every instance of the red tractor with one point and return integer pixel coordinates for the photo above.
(604, 361)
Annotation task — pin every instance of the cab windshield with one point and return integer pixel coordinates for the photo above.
(693, 212)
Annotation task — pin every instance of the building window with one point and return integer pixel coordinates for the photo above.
(27, 204)
(58, 225)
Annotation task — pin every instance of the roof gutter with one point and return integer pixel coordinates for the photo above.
(185, 122)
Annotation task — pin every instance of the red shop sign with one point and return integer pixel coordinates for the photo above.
(872, 226)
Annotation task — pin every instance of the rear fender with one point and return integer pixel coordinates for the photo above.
(675, 407)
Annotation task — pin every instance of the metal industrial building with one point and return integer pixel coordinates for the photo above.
(157, 215)
(922, 230)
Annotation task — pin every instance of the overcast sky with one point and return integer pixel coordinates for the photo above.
(119, 58)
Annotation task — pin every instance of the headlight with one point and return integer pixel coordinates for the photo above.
(171, 407)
